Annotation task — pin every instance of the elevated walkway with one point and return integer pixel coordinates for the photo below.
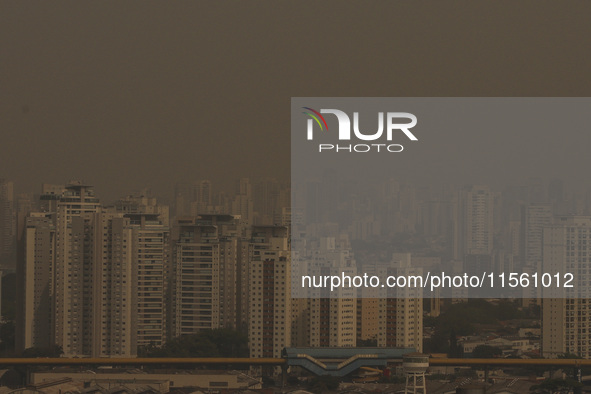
(342, 361)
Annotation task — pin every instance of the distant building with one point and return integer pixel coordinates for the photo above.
(368, 312)
(401, 314)
(205, 269)
(150, 249)
(566, 321)
(243, 204)
(474, 223)
(332, 315)
(92, 278)
(35, 325)
(534, 218)
(150, 262)
(270, 291)
(7, 225)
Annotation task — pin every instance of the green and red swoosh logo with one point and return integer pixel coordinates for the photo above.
(316, 116)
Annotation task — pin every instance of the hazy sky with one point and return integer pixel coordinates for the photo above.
(131, 94)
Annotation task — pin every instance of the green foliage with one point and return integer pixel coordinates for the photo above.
(462, 317)
(551, 386)
(372, 342)
(9, 296)
(486, 351)
(220, 342)
(7, 334)
(429, 321)
(32, 352)
(321, 384)
(392, 379)
(570, 356)
(455, 350)
(534, 312)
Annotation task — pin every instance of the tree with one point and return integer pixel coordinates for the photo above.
(7, 334)
(455, 350)
(9, 296)
(569, 356)
(556, 386)
(322, 384)
(486, 351)
(371, 342)
(219, 342)
(53, 351)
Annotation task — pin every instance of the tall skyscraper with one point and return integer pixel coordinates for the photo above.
(401, 314)
(203, 198)
(184, 195)
(92, 277)
(150, 263)
(265, 200)
(36, 285)
(150, 248)
(368, 313)
(566, 320)
(332, 315)
(7, 226)
(474, 223)
(535, 217)
(270, 303)
(73, 268)
(205, 274)
(243, 204)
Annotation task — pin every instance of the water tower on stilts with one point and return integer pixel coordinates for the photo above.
(415, 366)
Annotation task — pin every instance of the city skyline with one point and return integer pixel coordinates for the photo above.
(161, 194)
(126, 278)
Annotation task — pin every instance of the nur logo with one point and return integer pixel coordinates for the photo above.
(395, 122)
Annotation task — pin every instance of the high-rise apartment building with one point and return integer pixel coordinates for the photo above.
(566, 320)
(474, 224)
(150, 262)
(332, 315)
(36, 285)
(7, 226)
(205, 270)
(92, 278)
(150, 246)
(184, 195)
(367, 320)
(535, 217)
(270, 303)
(73, 268)
(203, 198)
(266, 204)
(243, 204)
(400, 315)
